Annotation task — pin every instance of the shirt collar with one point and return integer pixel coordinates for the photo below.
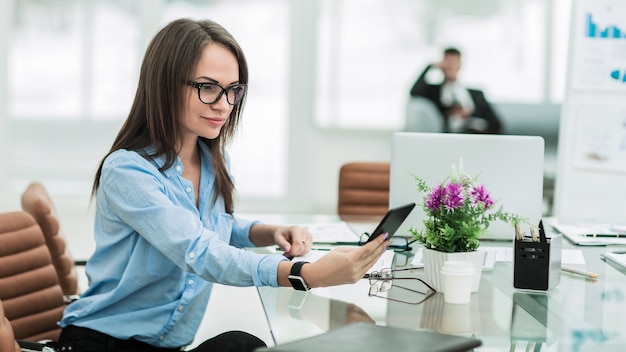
(177, 168)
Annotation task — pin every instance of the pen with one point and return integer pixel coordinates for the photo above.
(588, 274)
(616, 235)
(340, 243)
(313, 249)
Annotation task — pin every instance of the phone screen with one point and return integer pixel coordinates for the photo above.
(392, 221)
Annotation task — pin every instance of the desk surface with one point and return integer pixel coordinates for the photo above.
(577, 315)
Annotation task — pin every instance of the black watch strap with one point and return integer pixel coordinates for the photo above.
(296, 279)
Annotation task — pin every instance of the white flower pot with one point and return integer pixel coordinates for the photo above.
(433, 261)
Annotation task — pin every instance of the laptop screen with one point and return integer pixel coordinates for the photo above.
(511, 167)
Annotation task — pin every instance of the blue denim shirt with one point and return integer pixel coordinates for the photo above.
(157, 255)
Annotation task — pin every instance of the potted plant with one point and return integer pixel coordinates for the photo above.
(458, 211)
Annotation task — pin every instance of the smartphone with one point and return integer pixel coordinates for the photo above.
(392, 221)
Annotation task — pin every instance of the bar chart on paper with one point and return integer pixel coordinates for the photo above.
(590, 176)
(600, 46)
(593, 30)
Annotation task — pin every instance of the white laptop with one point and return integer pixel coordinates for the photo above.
(511, 167)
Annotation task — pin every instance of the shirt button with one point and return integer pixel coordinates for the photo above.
(192, 255)
(161, 337)
(180, 308)
(190, 282)
(188, 189)
(178, 168)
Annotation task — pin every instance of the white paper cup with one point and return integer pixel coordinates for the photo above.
(457, 279)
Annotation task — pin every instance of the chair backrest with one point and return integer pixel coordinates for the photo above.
(363, 188)
(422, 115)
(29, 288)
(7, 338)
(37, 202)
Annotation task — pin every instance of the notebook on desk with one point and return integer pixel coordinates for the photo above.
(511, 167)
(366, 337)
(592, 234)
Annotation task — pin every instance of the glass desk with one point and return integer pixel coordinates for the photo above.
(577, 315)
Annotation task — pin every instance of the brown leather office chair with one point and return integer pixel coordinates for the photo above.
(29, 289)
(37, 202)
(7, 338)
(363, 189)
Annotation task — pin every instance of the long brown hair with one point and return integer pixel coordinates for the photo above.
(155, 116)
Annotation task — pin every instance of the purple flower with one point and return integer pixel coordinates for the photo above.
(479, 194)
(453, 196)
(435, 198)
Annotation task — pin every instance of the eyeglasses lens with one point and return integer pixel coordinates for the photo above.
(211, 93)
(380, 286)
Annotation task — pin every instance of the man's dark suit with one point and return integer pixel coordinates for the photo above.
(482, 108)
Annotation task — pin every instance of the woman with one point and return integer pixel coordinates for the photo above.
(165, 228)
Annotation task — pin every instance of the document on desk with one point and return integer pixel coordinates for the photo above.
(618, 257)
(332, 232)
(385, 261)
(592, 234)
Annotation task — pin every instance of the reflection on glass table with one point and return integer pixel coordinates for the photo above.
(576, 316)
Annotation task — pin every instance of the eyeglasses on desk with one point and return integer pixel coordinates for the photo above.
(382, 281)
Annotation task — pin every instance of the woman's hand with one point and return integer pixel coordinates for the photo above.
(344, 265)
(293, 240)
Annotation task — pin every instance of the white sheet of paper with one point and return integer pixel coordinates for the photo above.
(618, 257)
(572, 256)
(331, 232)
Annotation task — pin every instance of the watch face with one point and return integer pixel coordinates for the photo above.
(296, 280)
(298, 283)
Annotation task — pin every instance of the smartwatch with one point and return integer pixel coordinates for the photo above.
(296, 279)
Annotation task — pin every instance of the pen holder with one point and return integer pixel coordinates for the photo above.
(537, 265)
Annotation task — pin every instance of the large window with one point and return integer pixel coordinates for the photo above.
(371, 51)
(73, 67)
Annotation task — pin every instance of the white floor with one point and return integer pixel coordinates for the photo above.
(234, 308)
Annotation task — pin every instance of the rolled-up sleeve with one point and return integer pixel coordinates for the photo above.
(241, 233)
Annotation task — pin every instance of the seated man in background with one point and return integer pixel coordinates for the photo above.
(464, 110)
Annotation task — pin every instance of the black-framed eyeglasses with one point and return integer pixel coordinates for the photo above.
(382, 281)
(210, 93)
(398, 243)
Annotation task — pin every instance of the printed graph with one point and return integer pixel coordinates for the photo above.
(593, 30)
(619, 75)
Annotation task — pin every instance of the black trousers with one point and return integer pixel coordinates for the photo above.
(78, 339)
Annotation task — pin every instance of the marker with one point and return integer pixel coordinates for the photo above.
(542, 232)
